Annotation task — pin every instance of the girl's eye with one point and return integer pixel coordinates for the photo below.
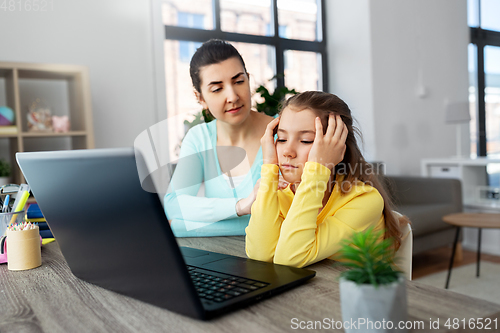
(307, 142)
(281, 140)
(216, 90)
(240, 82)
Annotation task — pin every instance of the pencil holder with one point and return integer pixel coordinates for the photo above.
(5, 218)
(10, 218)
(23, 249)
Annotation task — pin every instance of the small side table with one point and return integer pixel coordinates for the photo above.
(471, 220)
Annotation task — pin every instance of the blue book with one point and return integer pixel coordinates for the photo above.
(34, 212)
(43, 226)
(46, 233)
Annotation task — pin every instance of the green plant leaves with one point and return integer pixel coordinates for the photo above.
(370, 259)
(271, 103)
(4, 168)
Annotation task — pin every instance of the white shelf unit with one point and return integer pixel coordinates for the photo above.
(471, 171)
(66, 91)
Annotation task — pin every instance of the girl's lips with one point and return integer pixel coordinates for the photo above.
(288, 166)
(234, 110)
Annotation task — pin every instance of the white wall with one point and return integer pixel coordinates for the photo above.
(350, 64)
(396, 63)
(114, 39)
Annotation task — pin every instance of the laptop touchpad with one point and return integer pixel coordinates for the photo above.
(236, 265)
(189, 252)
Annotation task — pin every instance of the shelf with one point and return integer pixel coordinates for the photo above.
(477, 161)
(63, 89)
(473, 173)
(52, 134)
(481, 207)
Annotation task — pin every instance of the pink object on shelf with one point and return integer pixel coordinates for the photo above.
(60, 124)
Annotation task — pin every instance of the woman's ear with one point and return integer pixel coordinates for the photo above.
(200, 99)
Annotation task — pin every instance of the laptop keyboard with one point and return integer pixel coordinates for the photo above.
(219, 287)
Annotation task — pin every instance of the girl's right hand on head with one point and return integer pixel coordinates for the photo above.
(269, 155)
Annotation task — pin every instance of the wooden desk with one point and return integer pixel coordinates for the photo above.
(51, 299)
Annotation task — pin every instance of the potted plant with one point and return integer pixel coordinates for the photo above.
(4, 172)
(272, 101)
(201, 117)
(371, 291)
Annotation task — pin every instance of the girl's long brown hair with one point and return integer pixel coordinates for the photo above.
(353, 165)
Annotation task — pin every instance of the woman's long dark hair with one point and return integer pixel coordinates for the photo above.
(353, 165)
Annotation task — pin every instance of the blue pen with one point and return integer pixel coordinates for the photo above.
(6, 203)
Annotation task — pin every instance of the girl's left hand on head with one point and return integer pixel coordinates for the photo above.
(268, 145)
(329, 148)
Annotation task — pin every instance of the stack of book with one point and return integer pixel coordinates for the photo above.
(34, 215)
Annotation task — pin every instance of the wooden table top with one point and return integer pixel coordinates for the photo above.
(51, 299)
(473, 220)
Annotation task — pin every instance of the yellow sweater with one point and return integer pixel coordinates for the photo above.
(285, 228)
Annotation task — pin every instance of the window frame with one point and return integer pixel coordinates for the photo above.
(482, 38)
(279, 43)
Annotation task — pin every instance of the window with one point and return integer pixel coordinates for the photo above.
(187, 49)
(484, 73)
(284, 37)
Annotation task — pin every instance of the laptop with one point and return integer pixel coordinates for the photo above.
(114, 234)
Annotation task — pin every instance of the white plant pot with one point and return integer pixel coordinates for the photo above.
(373, 309)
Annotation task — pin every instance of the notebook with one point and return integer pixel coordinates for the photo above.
(114, 234)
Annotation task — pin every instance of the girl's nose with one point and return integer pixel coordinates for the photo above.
(289, 151)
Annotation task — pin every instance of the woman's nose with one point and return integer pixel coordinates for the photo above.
(232, 95)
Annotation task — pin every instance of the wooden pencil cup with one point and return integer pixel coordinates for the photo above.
(23, 249)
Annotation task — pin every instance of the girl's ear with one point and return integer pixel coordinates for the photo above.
(200, 99)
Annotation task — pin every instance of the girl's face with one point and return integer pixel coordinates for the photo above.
(225, 91)
(296, 132)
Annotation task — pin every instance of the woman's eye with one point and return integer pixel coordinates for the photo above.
(307, 142)
(281, 140)
(240, 81)
(216, 90)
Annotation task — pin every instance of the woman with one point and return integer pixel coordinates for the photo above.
(224, 154)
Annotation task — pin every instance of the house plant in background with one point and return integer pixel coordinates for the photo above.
(201, 117)
(371, 290)
(271, 102)
(4, 172)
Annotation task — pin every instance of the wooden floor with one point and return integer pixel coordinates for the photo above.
(438, 260)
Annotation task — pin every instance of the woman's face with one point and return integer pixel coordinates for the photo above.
(296, 132)
(225, 91)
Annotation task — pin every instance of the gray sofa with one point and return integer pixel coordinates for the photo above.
(425, 201)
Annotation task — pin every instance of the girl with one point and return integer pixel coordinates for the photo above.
(332, 191)
(221, 85)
